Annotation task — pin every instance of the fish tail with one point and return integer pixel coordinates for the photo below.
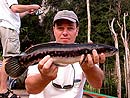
(13, 68)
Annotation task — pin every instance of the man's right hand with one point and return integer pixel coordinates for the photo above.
(47, 69)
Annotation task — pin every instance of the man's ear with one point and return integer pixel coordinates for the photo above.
(53, 28)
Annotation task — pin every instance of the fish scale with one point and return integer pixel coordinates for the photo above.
(62, 54)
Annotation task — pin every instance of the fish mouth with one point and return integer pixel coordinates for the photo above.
(112, 52)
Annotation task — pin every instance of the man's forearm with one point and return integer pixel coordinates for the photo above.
(23, 8)
(94, 76)
(35, 84)
(23, 14)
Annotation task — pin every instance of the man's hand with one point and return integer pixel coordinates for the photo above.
(47, 69)
(91, 59)
(92, 72)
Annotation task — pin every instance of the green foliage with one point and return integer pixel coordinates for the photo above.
(90, 88)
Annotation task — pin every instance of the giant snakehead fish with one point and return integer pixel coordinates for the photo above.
(63, 54)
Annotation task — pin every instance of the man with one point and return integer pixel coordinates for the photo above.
(10, 13)
(46, 80)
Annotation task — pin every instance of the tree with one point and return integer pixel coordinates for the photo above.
(127, 56)
(114, 35)
(89, 19)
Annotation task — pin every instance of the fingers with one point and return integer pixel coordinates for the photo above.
(91, 59)
(47, 68)
(43, 61)
(33, 8)
(102, 58)
(95, 57)
(46, 63)
(90, 62)
(82, 59)
(98, 58)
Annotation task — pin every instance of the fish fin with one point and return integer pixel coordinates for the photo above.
(13, 68)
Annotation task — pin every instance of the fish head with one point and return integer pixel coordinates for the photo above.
(109, 50)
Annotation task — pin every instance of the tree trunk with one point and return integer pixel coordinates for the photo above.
(89, 20)
(127, 57)
(117, 59)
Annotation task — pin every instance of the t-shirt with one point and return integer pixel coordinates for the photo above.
(8, 18)
(69, 75)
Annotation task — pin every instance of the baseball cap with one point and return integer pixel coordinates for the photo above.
(66, 14)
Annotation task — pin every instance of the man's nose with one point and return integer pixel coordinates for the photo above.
(65, 32)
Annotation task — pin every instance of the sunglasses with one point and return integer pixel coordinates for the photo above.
(65, 86)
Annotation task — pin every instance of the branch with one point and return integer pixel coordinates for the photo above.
(112, 29)
(121, 27)
(89, 20)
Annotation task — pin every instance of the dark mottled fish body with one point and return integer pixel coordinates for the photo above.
(62, 54)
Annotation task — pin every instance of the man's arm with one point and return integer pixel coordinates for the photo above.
(38, 83)
(24, 9)
(92, 71)
(35, 83)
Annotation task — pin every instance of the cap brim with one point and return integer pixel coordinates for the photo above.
(66, 18)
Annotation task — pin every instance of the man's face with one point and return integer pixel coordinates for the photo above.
(65, 31)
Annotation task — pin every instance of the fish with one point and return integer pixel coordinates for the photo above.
(63, 54)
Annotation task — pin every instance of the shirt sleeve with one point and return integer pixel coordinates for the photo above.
(11, 2)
